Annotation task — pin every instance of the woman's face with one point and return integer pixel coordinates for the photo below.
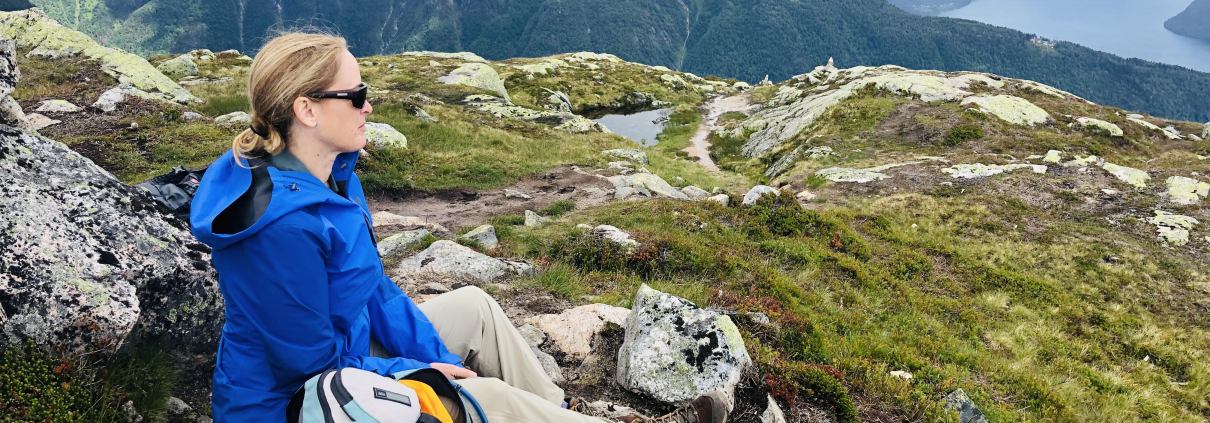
(340, 125)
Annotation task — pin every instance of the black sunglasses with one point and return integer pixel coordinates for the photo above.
(356, 95)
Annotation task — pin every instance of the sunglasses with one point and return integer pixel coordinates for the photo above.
(356, 95)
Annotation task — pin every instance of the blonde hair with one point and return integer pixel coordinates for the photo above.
(288, 67)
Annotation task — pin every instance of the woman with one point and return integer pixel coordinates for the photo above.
(299, 270)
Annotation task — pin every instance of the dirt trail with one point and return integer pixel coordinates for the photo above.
(698, 146)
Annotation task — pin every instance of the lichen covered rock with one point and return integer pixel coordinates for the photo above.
(675, 351)
(1132, 176)
(33, 29)
(478, 75)
(861, 176)
(109, 100)
(182, 65)
(398, 242)
(379, 135)
(633, 154)
(484, 235)
(1153, 127)
(462, 55)
(1173, 228)
(57, 106)
(1011, 109)
(88, 260)
(648, 181)
(980, 170)
(1183, 190)
(239, 120)
(1097, 125)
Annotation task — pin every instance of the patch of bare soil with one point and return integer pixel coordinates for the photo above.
(699, 147)
(463, 208)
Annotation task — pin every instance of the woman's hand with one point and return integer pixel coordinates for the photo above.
(453, 372)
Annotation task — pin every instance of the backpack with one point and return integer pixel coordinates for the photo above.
(175, 189)
(354, 395)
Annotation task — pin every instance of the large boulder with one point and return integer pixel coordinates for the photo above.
(87, 260)
(109, 100)
(1183, 190)
(650, 182)
(675, 351)
(448, 257)
(1011, 109)
(484, 235)
(478, 75)
(398, 242)
(180, 66)
(757, 192)
(46, 38)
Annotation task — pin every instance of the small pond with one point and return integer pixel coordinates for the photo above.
(641, 127)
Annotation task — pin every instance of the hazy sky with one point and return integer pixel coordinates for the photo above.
(1128, 28)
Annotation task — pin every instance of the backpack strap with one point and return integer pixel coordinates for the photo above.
(443, 386)
(470, 399)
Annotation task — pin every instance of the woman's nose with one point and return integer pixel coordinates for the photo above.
(369, 108)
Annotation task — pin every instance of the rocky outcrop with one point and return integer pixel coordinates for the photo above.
(861, 176)
(44, 37)
(393, 244)
(961, 403)
(632, 154)
(182, 65)
(240, 120)
(757, 192)
(87, 260)
(650, 182)
(379, 135)
(616, 236)
(484, 235)
(1173, 228)
(1152, 126)
(1134, 177)
(1183, 190)
(675, 351)
(478, 75)
(502, 108)
(1098, 126)
(1015, 110)
(980, 170)
(463, 56)
(57, 106)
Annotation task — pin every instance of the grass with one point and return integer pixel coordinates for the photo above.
(1034, 326)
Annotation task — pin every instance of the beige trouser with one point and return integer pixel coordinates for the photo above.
(511, 387)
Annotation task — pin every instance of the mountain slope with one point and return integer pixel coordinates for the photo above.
(1192, 22)
(710, 37)
(929, 7)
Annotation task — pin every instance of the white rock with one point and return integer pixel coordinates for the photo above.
(1183, 190)
(901, 374)
(485, 235)
(980, 170)
(695, 193)
(533, 219)
(572, 330)
(758, 191)
(177, 407)
(617, 236)
(1011, 109)
(1053, 156)
(650, 182)
(478, 75)
(40, 122)
(109, 100)
(721, 199)
(379, 135)
(448, 257)
(192, 116)
(57, 106)
(398, 242)
(623, 192)
(675, 351)
(1132, 176)
(1099, 125)
(805, 196)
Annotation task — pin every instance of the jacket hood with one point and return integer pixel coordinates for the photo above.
(233, 202)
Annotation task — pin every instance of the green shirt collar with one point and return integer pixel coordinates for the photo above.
(286, 161)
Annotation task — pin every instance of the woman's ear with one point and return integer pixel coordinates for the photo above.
(305, 113)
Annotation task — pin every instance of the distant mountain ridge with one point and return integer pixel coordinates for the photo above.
(707, 37)
(1193, 21)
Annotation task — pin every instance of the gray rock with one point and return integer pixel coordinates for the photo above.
(623, 192)
(962, 403)
(391, 220)
(109, 100)
(518, 267)
(633, 154)
(10, 112)
(478, 75)
(532, 219)
(512, 193)
(40, 121)
(401, 241)
(558, 101)
(87, 258)
(201, 55)
(695, 193)
(532, 334)
(192, 116)
(616, 236)
(434, 288)
(177, 407)
(57, 106)
(571, 331)
(485, 235)
(240, 119)
(647, 181)
(180, 66)
(723, 199)
(422, 115)
(644, 191)
(675, 351)
(549, 365)
(132, 415)
(379, 135)
(448, 257)
(758, 191)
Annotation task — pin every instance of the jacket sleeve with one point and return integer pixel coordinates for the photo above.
(288, 293)
(403, 329)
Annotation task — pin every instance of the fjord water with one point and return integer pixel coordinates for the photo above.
(640, 127)
(1127, 28)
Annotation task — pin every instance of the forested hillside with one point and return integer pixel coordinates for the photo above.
(929, 7)
(1192, 22)
(744, 40)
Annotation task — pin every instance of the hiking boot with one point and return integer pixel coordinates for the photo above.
(708, 408)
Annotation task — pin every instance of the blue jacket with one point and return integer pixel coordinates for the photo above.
(303, 284)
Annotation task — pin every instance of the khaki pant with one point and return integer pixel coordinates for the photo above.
(511, 387)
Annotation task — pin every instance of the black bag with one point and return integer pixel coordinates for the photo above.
(175, 189)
